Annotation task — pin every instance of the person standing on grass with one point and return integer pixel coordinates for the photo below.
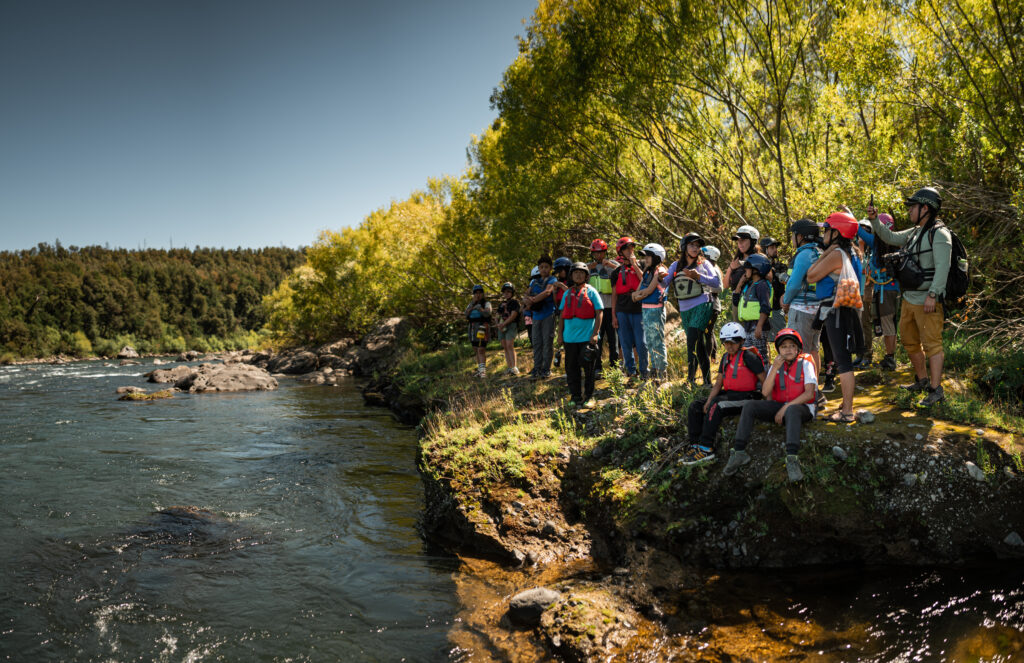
(542, 305)
(627, 314)
(651, 296)
(800, 300)
(739, 375)
(580, 330)
(478, 313)
(687, 277)
(885, 292)
(601, 268)
(841, 322)
(755, 306)
(712, 253)
(922, 316)
(789, 390)
(746, 245)
(508, 326)
(777, 321)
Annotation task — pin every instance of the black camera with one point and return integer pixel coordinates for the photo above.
(905, 268)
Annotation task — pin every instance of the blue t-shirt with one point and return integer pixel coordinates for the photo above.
(548, 308)
(578, 330)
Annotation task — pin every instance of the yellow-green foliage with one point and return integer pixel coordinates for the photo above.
(476, 452)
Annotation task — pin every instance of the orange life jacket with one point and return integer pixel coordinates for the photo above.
(579, 305)
(736, 375)
(789, 382)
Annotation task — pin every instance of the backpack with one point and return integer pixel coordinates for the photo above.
(959, 278)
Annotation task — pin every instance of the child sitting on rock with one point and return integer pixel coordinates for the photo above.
(740, 374)
(791, 388)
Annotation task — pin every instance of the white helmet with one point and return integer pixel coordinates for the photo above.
(535, 272)
(732, 331)
(749, 231)
(712, 253)
(654, 249)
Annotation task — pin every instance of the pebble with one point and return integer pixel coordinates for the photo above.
(979, 432)
(1013, 539)
(517, 504)
(975, 472)
(620, 571)
(839, 452)
(1010, 474)
(527, 607)
(550, 529)
(919, 437)
(909, 479)
(865, 417)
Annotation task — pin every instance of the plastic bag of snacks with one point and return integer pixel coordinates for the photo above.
(848, 288)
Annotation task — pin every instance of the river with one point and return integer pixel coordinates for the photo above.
(309, 550)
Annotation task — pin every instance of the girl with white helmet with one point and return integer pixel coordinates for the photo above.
(741, 371)
(651, 296)
(746, 245)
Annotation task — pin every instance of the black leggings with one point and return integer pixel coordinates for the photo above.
(697, 353)
(709, 336)
(845, 337)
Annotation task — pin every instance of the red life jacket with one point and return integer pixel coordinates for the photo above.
(627, 281)
(736, 374)
(579, 305)
(789, 382)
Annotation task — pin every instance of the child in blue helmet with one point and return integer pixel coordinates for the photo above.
(478, 313)
(755, 302)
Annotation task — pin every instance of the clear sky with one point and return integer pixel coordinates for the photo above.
(235, 123)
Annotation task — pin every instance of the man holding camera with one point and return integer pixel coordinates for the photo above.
(921, 266)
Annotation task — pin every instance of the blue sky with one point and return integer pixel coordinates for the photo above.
(242, 123)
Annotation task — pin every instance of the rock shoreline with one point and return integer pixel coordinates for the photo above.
(858, 507)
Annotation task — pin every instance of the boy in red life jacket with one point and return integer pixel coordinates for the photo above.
(740, 375)
(791, 387)
(579, 330)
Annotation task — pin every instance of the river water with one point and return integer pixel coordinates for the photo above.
(307, 549)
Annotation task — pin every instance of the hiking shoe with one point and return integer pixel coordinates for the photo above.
(697, 455)
(793, 468)
(598, 374)
(589, 403)
(830, 384)
(737, 459)
(513, 371)
(922, 384)
(934, 396)
(821, 401)
(888, 364)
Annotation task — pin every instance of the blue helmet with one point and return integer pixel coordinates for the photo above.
(758, 263)
(562, 263)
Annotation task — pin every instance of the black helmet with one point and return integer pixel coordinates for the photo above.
(805, 227)
(563, 263)
(768, 241)
(759, 264)
(507, 285)
(688, 238)
(926, 196)
(579, 267)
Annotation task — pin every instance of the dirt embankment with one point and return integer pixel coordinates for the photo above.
(537, 487)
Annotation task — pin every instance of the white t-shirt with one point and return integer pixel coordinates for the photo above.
(810, 377)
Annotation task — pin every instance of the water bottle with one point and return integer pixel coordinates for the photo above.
(558, 358)
(878, 327)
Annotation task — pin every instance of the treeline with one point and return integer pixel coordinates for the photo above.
(653, 118)
(93, 300)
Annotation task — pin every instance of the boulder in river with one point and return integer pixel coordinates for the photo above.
(129, 362)
(293, 364)
(162, 375)
(127, 352)
(130, 390)
(189, 355)
(208, 378)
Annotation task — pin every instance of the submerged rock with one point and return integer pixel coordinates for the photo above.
(130, 390)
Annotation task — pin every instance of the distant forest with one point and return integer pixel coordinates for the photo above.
(93, 300)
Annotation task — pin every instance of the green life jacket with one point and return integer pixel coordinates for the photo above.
(749, 309)
(601, 279)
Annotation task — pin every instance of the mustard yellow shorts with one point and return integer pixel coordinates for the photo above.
(918, 328)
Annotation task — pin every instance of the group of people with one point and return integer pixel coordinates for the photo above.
(820, 312)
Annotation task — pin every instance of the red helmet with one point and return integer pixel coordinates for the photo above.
(599, 245)
(622, 243)
(844, 223)
(791, 334)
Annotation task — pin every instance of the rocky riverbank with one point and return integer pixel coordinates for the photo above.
(512, 475)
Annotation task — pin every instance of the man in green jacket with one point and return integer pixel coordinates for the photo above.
(921, 317)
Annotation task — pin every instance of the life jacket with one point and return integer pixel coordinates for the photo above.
(657, 295)
(601, 279)
(808, 290)
(789, 381)
(684, 287)
(578, 305)
(736, 375)
(627, 281)
(749, 309)
(537, 287)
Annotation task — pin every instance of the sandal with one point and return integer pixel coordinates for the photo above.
(840, 418)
